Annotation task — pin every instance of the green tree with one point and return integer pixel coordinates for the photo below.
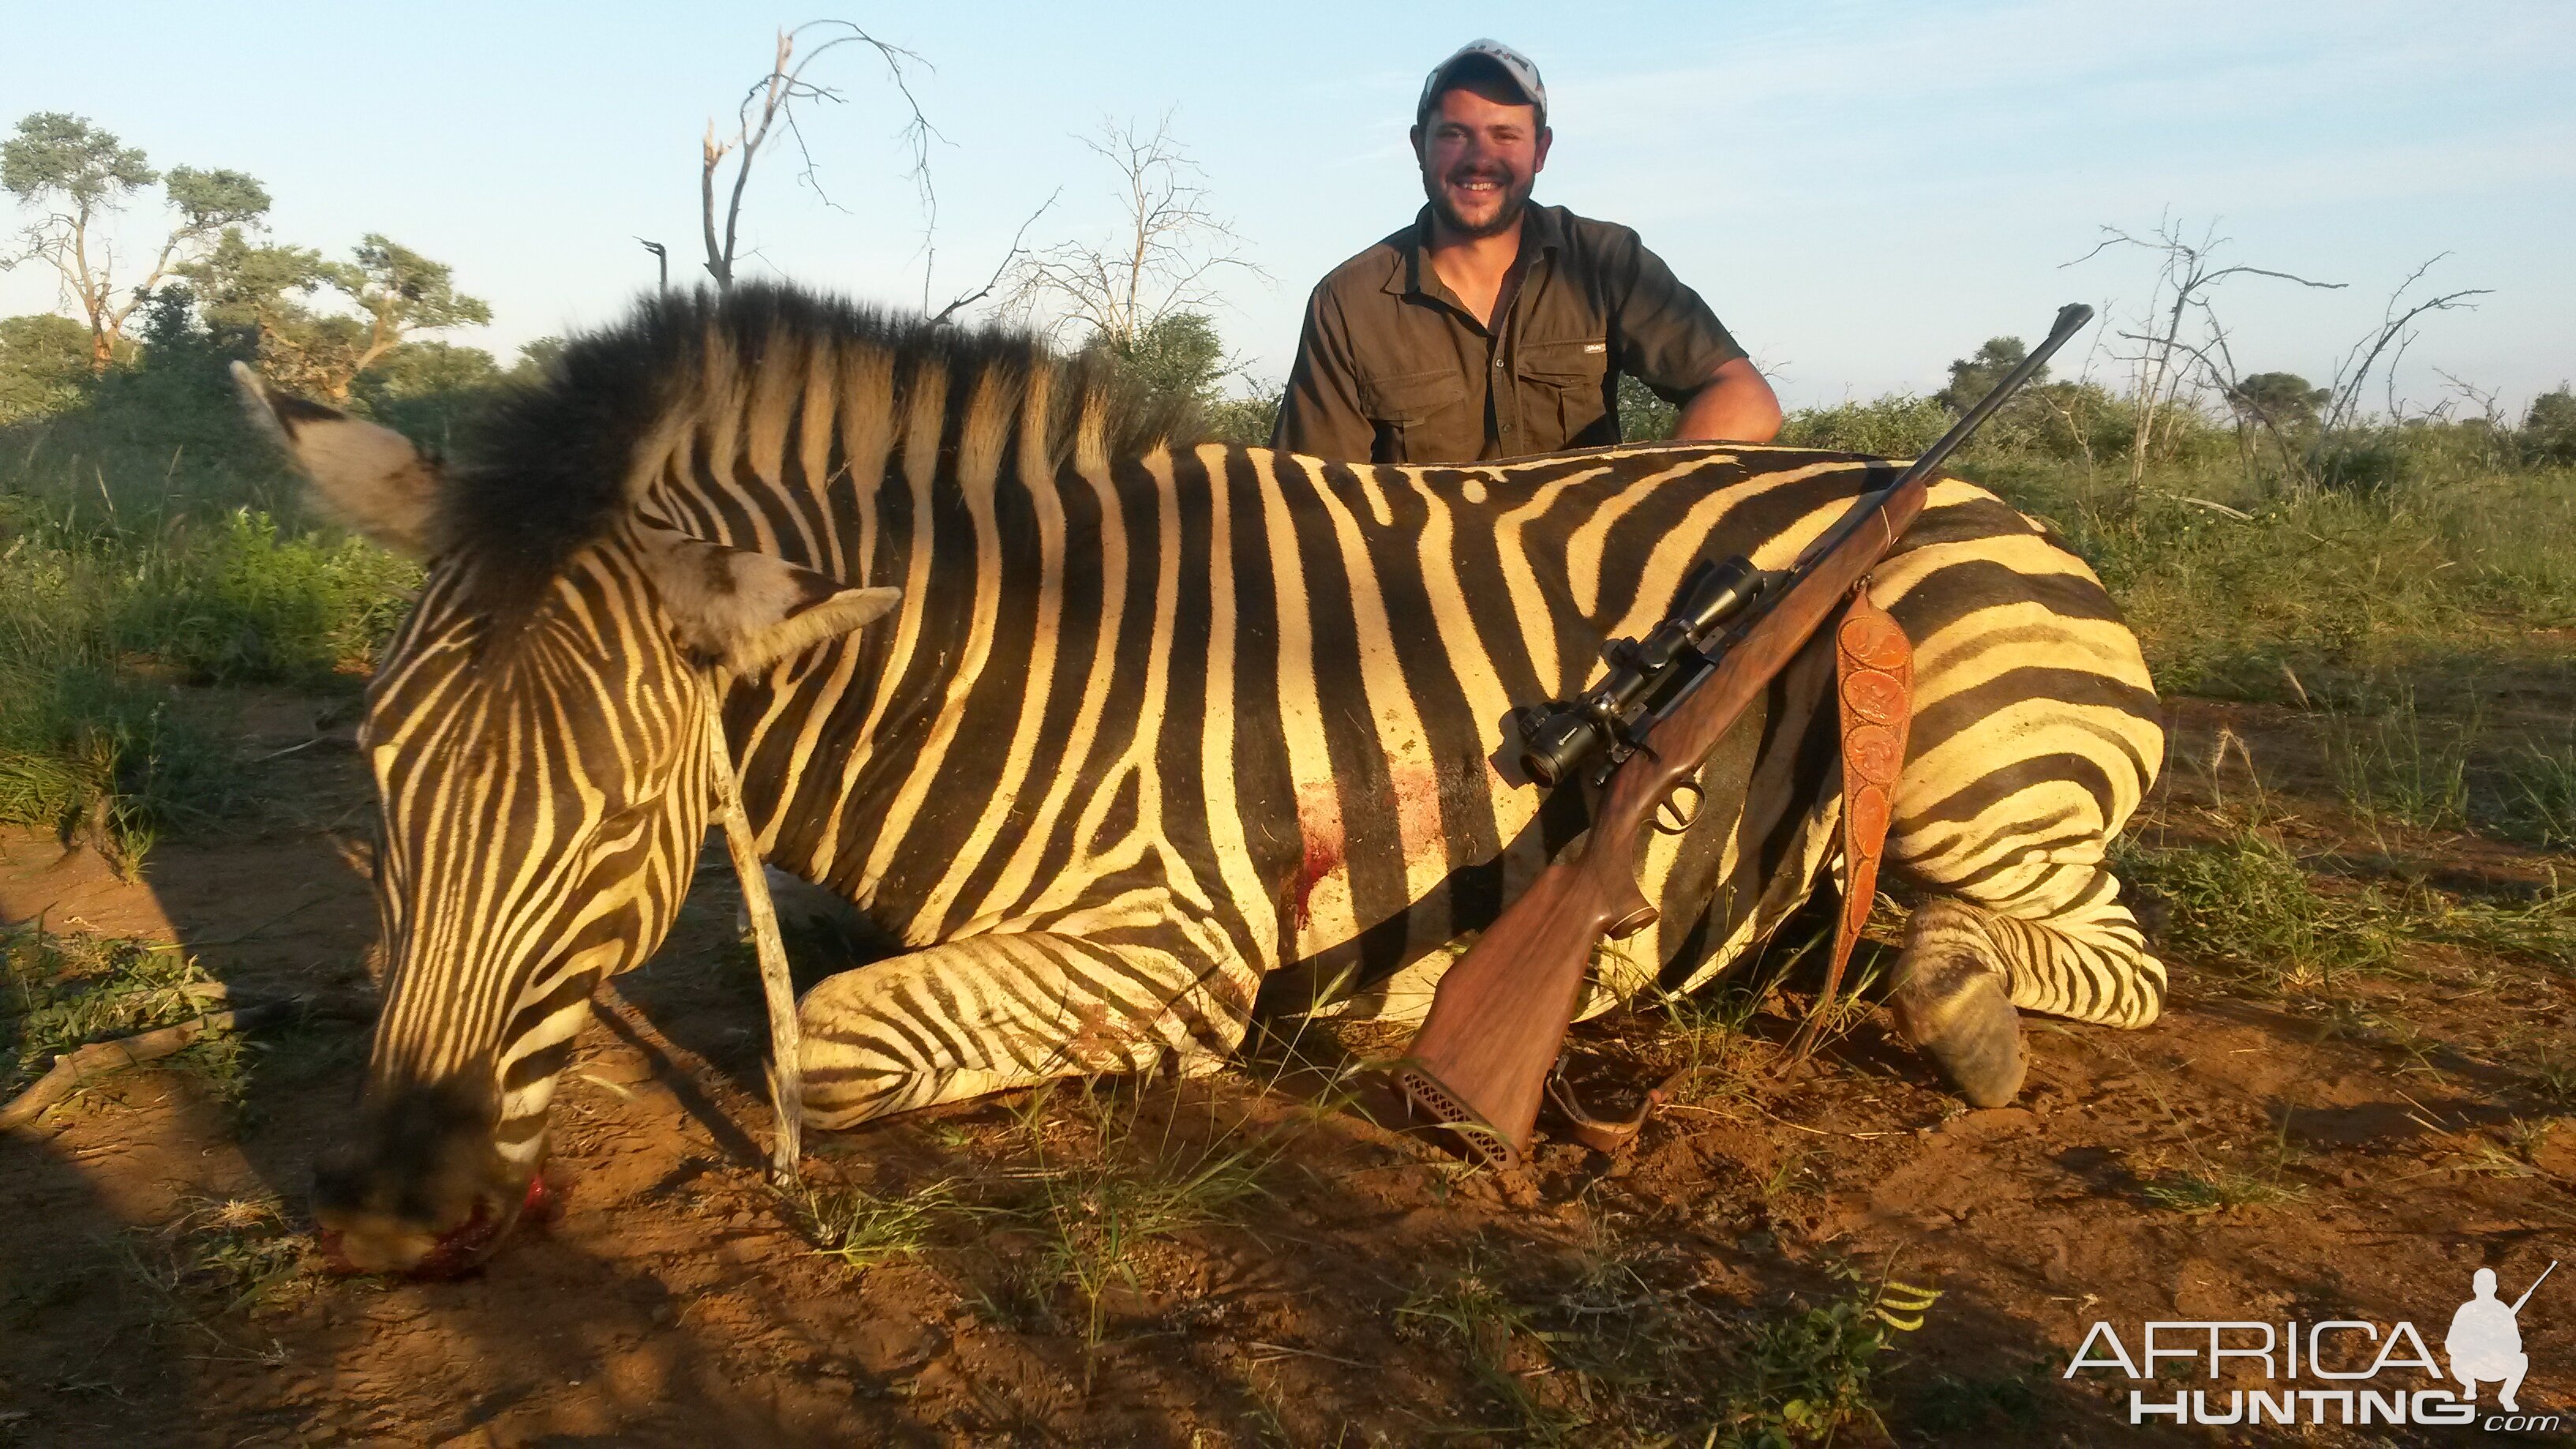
(2281, 401)
(1644, 416)
(1974, 376)
(245, 286)
(428, 389)
(263, 291)
(402, 292)
(1177, 356)
(44, 365)
(1246, 419)
(427, 369)
(2549, 428)
(77, 177)
(536, 359)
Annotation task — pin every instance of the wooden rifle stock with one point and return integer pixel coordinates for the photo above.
(1480, 1062)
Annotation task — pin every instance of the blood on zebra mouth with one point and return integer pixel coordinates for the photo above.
(465, 1247)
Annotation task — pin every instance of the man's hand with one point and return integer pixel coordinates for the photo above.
(1734, 406)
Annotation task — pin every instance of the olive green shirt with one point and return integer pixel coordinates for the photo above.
(1392, 368)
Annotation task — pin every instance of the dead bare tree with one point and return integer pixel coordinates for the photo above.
(2181, 345)
(2389, 340)
(770, 105)
(1163, 259)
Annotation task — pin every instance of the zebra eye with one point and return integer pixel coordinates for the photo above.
(624, 819)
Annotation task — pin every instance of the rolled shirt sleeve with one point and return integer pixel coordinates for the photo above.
(1320, 414)
(1661, 333)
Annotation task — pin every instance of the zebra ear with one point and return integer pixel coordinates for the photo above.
(368, 477)
(747, 610)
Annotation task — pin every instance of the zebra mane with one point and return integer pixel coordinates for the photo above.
(550, 468)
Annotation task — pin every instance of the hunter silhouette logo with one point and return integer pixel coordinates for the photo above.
(2485, 1341)
(2336, 1371)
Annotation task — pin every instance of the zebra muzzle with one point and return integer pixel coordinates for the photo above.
(375, 1248)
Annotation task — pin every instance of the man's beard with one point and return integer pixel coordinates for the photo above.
(1506, 215)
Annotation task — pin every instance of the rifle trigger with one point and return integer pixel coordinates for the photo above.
(1671, 805)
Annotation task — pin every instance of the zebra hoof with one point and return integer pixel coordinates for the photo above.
(1957, 1013)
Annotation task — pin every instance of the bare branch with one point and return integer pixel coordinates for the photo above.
(769, 104)
(1169, 245)
(2353, 373)
(1010, 259)
(2167, 362)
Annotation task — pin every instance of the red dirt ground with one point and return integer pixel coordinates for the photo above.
(2399, 1117)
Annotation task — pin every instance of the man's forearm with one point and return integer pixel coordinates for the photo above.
(1735, 405)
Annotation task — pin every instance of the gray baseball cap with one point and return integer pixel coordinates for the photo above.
(1515, 67)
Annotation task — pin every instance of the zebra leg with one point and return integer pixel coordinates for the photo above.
(1966, 968)
(987, 1013)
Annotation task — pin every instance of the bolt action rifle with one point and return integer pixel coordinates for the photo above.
(1481, 1060)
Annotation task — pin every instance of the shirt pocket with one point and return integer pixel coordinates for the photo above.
(1420, 417)
(1566, 380)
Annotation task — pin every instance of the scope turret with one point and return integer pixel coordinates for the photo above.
(1559, 741)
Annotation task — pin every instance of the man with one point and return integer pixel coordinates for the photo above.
(2486, 1343)
(1491, 328)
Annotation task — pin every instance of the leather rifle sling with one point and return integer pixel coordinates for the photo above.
(1874, 687)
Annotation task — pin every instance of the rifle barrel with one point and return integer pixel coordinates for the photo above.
(2535, 1286)
(2070, 320)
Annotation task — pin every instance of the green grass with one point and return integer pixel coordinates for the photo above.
(2541, 931)
(107, 635)
(2335, 589)
(153, 544)
(62, 992)
(230, 1260)
(1804, 1376)
(2245, 908)
(2541, 793)
(2209, 1190)
(2398, 766)
(861, 1229)
(242, 1254)
(1095, 1209)
(1464, 1310)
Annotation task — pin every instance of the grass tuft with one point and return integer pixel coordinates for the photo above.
(2245, 907)
(862, 1230)
(1093, 1217)
(219, 1259)
(1465, 1310)
(1806, 1376)
(2216, 1189)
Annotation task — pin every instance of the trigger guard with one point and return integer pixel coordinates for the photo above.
(1683, 820)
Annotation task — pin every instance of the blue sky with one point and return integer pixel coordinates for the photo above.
(1862, 189)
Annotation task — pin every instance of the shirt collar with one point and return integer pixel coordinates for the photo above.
(1539, 230)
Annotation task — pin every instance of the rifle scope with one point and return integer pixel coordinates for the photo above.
(1556, 747)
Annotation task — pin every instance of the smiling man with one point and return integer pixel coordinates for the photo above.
(1491, 328)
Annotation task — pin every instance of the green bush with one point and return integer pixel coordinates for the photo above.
(99, 626)
(2549, 428)
(1898, 425)
(243, 603)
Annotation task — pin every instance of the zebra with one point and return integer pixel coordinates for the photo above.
(1119, 738)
